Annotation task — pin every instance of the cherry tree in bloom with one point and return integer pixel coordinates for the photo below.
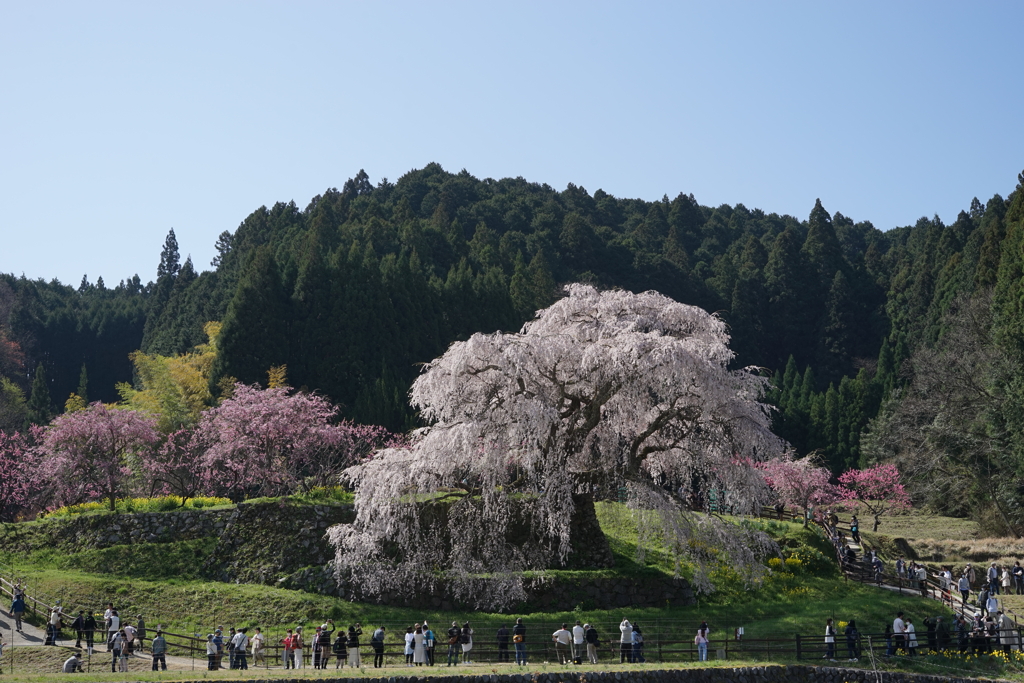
(275, 441)
(602, 390)
(801, 483)
(93, 453)
(878, 489)
(18, 479)
(176, 467)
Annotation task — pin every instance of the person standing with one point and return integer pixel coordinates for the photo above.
(409, 646)
(340, 648)
(297, 646)
(159, 651)
(79, 626)
(899, 630)
(259, 641)
(466, 639)
(454, 636)
(964, 585)
(992, 604)
(638, 645)
(140, 631)
(230, 645)
(419, 647)
(241, 643)
(1018, 578)
(563, 644)
(354, 632)
(286, 653)
(113, 624)
(625, 641)
(830, 641)
(377, 642)
(18, 610)
(852, 641)
(122, 661)
(701, 640)
(316, 644)
(519, 641)
(579, 643)
(993, 579)
(89, 629)
(218, 641)
(116, 643)
(428, 641)
(1007, 633)
(504, 635)
(590, 635)
(911, 637)
(211, 653)
(855, 530)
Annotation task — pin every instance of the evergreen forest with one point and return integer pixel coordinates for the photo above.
(902, 345)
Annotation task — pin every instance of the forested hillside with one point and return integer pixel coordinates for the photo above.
(357, 288)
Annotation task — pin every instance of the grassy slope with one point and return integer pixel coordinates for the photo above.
(790, 601)
(793, 599)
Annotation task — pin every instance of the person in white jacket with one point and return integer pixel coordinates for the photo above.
(911, 633)
(626, 642)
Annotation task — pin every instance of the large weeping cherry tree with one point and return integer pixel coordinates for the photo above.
(602, 391)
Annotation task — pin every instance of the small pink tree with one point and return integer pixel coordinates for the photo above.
(18, 480)
(878, 489)
(92, 453)
(274, 441)
(800, 483)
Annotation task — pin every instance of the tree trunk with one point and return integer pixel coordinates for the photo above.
(590, 549)
(875, 527)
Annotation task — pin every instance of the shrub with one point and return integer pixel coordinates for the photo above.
(126, 505)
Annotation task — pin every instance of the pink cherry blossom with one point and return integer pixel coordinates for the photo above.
(878, 489)
(801, 483)
(93, 453)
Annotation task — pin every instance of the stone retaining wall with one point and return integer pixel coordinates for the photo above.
(81, 532)
(751, 674)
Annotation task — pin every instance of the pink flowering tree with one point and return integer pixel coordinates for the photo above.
(276, 441)
(93, 453)
(801, 483)
(878, 489)
(19, 482)
(176, 467)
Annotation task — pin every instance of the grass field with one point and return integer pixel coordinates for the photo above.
(796, 598)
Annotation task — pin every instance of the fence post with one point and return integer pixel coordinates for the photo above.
(798, 649)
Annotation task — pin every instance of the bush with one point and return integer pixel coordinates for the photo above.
(126, 505)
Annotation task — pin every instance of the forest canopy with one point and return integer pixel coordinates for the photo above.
(363, 284)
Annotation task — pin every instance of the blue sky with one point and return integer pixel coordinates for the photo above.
(119, 121)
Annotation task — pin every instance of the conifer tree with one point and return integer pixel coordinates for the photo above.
(255, 332)
(39, 403)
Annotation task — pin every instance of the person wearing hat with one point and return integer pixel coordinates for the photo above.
(72, 664)
(218, 641)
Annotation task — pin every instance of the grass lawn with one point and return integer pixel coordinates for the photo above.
(916, 524)
(796, 598)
